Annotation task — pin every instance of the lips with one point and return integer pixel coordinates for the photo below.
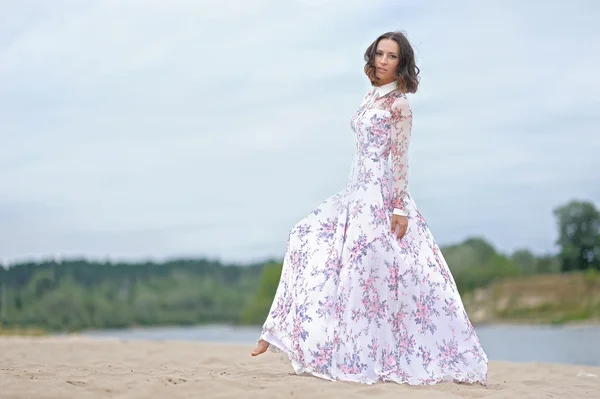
(382, 69)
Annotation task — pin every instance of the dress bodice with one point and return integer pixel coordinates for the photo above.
(371, 124)
(382, 125)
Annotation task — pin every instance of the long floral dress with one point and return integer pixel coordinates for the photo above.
(356, 303)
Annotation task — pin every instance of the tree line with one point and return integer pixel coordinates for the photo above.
(80, 294)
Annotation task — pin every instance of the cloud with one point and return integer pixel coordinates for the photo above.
(151, 129)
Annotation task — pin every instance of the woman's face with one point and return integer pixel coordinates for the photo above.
(386, 60)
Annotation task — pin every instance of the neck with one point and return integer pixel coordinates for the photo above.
(385, 82)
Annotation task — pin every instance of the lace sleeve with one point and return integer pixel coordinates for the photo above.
(401, 126)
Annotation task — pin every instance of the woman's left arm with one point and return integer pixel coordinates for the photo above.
(401, 126)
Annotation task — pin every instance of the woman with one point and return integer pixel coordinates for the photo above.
(365, 294)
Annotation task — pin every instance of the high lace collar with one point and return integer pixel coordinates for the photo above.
(385, 89)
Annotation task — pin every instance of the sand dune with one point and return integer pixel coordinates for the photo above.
(85, 368)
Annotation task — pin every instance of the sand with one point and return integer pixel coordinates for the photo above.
(73, 367)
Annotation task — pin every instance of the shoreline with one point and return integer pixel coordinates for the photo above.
(8, 331)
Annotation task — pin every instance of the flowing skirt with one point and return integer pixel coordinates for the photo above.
(356, 303)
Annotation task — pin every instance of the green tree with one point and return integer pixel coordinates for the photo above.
(578, 236)
(525, 261)
(257, 310)
(547, 264)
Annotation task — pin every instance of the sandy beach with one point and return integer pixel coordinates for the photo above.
(73, 367)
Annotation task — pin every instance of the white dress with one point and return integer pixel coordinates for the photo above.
(356, 303)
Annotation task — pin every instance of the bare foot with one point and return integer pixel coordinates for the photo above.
(261, 347)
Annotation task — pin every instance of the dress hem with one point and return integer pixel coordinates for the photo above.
(276, 346)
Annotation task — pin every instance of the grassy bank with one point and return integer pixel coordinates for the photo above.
(548, 299)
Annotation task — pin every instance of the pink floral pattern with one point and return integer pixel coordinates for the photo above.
(354, 303)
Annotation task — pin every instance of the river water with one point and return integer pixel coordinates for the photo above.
(554, 344)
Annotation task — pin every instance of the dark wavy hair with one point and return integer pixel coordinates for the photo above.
(407, 72)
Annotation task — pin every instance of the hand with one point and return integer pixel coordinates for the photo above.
(402, 222)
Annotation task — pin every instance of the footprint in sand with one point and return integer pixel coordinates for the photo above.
(77, 383)
(175, 381)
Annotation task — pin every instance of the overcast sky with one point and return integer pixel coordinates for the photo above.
(150, 129)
